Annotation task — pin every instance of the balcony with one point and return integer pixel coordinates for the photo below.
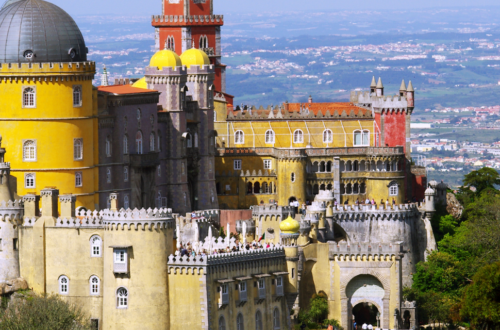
(279, 291)
(151, 159)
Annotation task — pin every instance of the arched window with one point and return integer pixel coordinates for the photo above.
(170, 43)
(366, 138)
(63, 285)
(151, 142)
(125, 144)
(189, 141)
(222, 323)
(239, 322)
(276, 318)
(298, 136)
(29, 180)
(108, 175)
(95, 246)
(327, 136)
(78, 149)
(121, 298)
(355, 189)
(29, 97)
(239, 137)
(138, 143)
(95, 286)
(125, 174)
(78, 179)
(196, 140)
(126, 202)
(393, 189)
(29, 150)
(270, 137)
(348, 189)
(265, 188)
(258, 321)
(108, 146)
(203, 42)
(250, 188)
(77, 96)
(256, 188)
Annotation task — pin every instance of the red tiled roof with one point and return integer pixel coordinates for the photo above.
(124, 89)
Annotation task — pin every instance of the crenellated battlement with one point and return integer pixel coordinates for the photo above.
(47, 71)
(11, 210)
(364, 251)
(364, 212)
(226, 261)
(365, 98)
(270, 209)
(180, 20)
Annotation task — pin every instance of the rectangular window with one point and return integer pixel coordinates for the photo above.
(94, 324)
(268, 164)
(15, 244)
(262, 284)
(120, 256)
(237, 164)
(120, 265)
(243, 287)
(29, 180)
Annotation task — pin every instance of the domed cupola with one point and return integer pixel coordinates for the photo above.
(39, 31)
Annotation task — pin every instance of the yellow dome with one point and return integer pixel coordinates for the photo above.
(141, 83)
(165, 58)
(289, 226)
(194, 56)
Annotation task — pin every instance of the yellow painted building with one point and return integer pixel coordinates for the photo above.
(292, 152)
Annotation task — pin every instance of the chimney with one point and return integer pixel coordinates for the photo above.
(67, 206)
(49, 202)
(114, 201)
(31, 205)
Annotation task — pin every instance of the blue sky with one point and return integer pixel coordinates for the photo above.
(132, 7)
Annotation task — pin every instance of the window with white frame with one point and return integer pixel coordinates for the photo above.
(29, 150)
(108, 146)
(125, 174)
(222, 323)
(268, 164)
(298, 136)
(95, 246)
(63, 285)
(108, 175)
(77, 96)
(270, 137)
(78, 179)
(393, 189)
(120, 256)
(239, 322)
(121, 298)
(29, 97)
(125, 144)
(138, 143)
(29, 180)
(95, 286)
(237, 164)
(239, 137)
(78, 149)
(151, 142)
(361, 138)
(126, 202)
(327, 136)
(276, 318)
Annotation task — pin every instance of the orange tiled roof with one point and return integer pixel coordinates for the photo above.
(324, 107)
(124, 89)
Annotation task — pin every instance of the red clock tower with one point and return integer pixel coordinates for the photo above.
(185, 24)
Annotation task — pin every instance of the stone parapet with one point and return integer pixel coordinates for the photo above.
(47, 71)
(187, 20)
(11, 210)
(316, 152)
(269, 209)
(361, 212)
(362, 251)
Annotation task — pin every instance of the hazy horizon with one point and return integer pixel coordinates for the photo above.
(153, 7)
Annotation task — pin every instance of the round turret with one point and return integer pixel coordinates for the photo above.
(429, 199)
(194, 56)
(165, 58)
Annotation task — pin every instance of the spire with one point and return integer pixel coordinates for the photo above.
(403, 86)
(192, 45)
(379, 84)
(373, 84)
(410, 87)
(104, 78)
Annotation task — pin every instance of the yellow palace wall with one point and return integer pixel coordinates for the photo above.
(54, 123)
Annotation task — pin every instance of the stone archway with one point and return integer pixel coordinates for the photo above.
(365, 286)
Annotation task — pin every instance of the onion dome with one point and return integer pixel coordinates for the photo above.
(194, 56)
(165, 58)
(289, 226)
(141, 83)
(39, 31)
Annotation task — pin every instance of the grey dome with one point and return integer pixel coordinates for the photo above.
(39, 31)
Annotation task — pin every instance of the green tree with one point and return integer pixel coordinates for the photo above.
(43, 313)
(482, 298)
(481, 179)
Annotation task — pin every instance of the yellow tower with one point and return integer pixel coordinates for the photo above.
(47, 106)
(292, 176)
